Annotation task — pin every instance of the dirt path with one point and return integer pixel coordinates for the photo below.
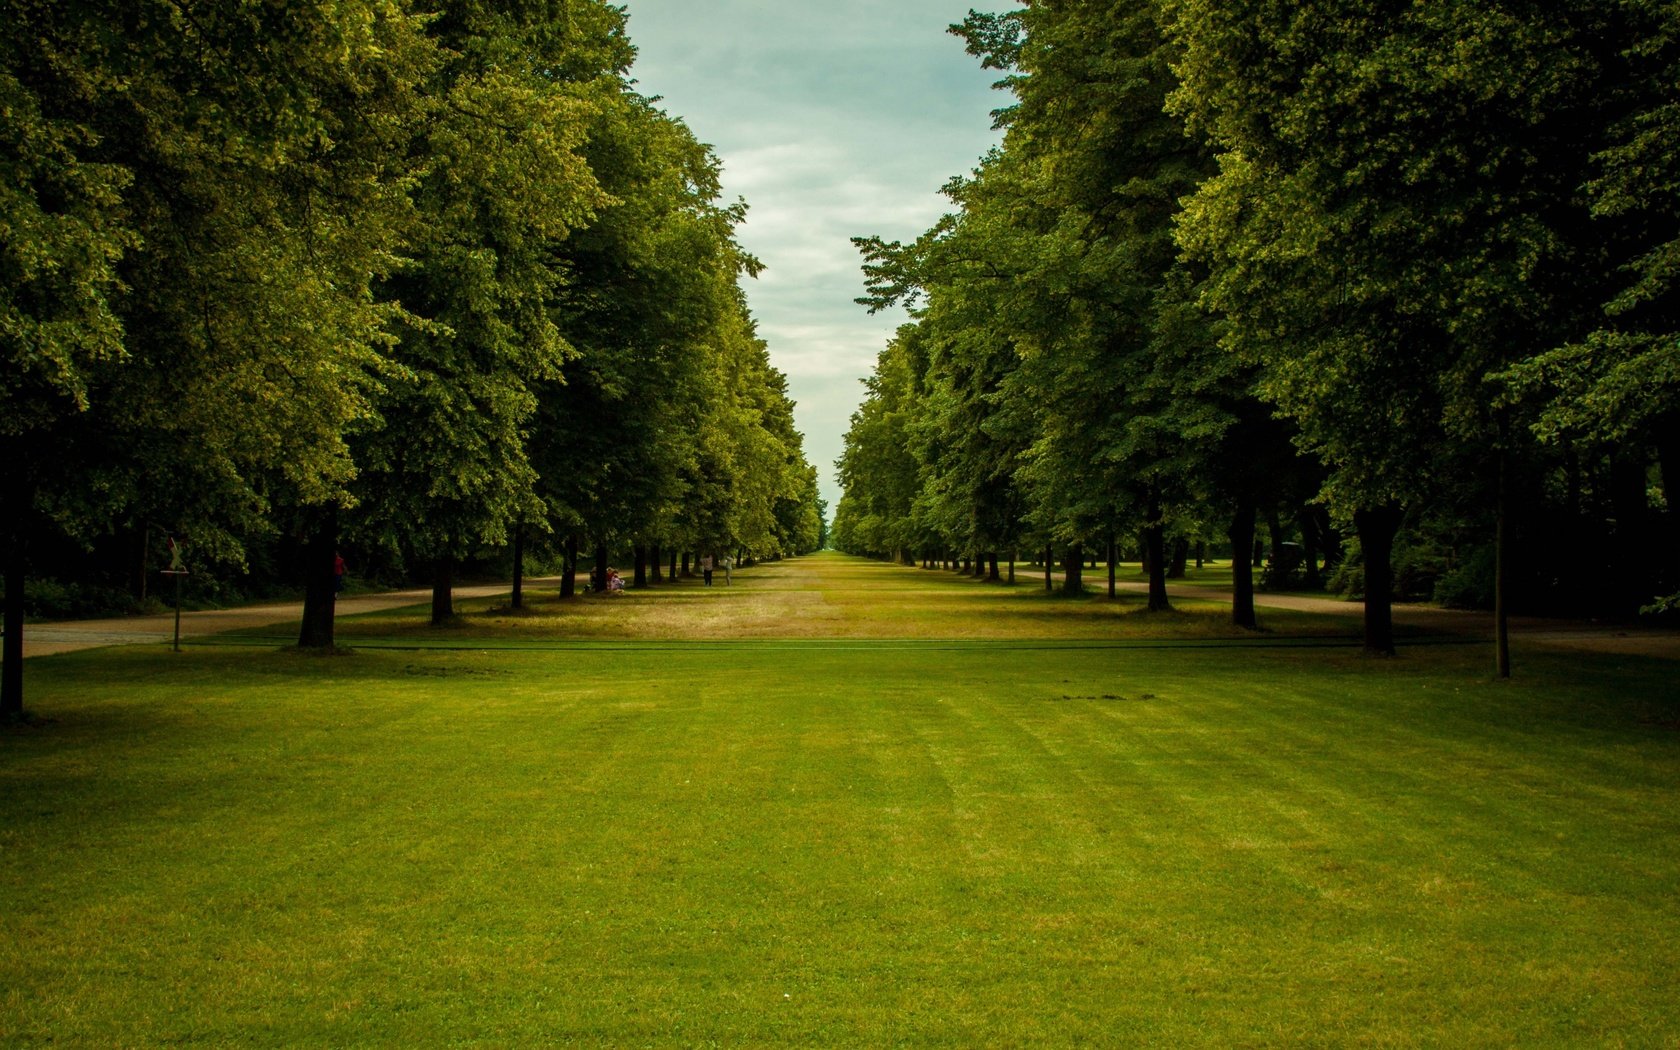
(44, 639)
(1564, 634)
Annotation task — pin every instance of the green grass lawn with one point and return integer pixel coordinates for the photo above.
(1096, 827)
(848, 598)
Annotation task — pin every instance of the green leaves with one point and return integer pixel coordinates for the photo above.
(197, 202)
(256, 257)
(1068, 386)
(1389, 222)
(60, 244)
(669, 425)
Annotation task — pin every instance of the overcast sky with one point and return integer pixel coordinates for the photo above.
(833, 119)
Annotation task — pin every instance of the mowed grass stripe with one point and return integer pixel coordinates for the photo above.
(826, 597)
(767, 844)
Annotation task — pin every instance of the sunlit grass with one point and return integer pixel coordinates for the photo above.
(829, 596)
(840, 841)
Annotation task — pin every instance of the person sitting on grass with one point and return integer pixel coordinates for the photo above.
(615, 582)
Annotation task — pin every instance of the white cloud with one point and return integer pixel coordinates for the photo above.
(833, 120)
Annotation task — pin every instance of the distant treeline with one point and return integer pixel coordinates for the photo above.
(1392, 283)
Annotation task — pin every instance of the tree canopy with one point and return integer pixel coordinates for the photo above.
(409, 277)
(1397, 237)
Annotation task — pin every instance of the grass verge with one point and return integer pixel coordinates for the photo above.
(794, 841)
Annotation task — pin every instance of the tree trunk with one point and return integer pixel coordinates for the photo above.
(1155, 543)
(1073, 578)
(518, 599)
(686, 563)
(1311, 543)
(443, 590)
(568, 567)
(1113, 564)
(641, 578)
(1201, 552)
(1329, 538)
(1049, 557)
(1012, 556)
(598, 579)
(654, 564)
(1376, 528)
(1180, 560)
(992, 567)
(673, 566)
(11, 653)
(320, 583)
(1274, 533)
(1241, 534)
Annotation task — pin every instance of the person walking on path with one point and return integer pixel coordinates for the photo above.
(706, 568)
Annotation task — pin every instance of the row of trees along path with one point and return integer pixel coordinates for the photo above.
(1398, 280)
(834, 597)
(421, 279)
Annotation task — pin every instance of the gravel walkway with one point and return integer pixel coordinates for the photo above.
(1583, 635)
(44, 639)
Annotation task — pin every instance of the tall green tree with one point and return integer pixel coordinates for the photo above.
(878, 473)
(959, 424)
(64, 238)
(212, 193)
(649, 285)
(1070, 380)
(504, 184)
(1617, 386)
(1394, 218)
(1120, 370)
(748, 455)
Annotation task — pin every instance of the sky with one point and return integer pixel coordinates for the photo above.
(833, 120)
